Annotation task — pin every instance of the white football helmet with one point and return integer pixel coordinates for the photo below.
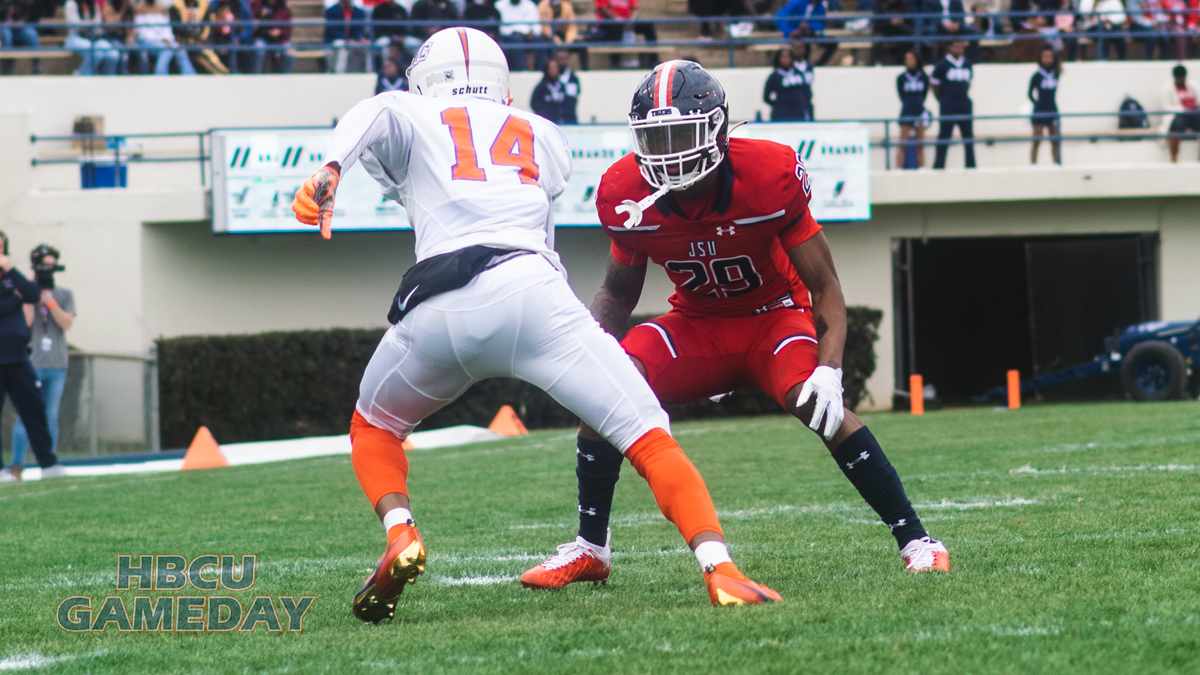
(460, 62)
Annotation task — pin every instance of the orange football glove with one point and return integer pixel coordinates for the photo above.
(313, 204)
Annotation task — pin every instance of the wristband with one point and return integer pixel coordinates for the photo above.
(52, 305)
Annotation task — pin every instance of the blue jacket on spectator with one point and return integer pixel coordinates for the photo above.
(335, 24)
(795, 12)
(245, 34)
(14, 332)
(935, 9)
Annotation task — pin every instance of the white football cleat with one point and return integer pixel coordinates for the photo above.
(925, 554)
(6, 476)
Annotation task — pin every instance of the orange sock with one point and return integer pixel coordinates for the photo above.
(378, 458)
(677, 485)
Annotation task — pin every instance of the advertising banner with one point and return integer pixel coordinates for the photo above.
(256, 174)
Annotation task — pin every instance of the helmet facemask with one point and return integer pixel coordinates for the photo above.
(675, 150)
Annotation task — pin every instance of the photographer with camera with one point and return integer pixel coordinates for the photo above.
(17, 377)
(48, 320)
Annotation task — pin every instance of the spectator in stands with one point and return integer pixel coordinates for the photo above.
(17, 377)
(913, 87)
(273, 42)
(1105, 17)
(1181, 97)
(895, 27)
(118, 12)
(951, 80)
(710, 8)
(49, 320)
(1179, 32)
(386, 29)
(1043, 88)
(18, 28)
(442, 11)
(571, 84)
(789, 87)
(521, 25)
(805, 19)
(83, 38)
(233, 27)
(564, 36)
(948, 18)
(1065, 21)
(484, 10)
(345, 32)
(617, 24)
(186, 20)
(1146, 17)
(391, 77)
(550, 98)
(152, 28)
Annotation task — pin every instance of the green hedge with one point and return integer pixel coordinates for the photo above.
(304, 383)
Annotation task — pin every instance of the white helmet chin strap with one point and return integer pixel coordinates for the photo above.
(634, 209)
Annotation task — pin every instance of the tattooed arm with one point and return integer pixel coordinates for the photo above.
(814, 264)
(618, 295)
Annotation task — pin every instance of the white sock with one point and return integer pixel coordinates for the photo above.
(712, 553)
(397, 516)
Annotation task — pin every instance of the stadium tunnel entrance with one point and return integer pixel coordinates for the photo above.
(969, 309)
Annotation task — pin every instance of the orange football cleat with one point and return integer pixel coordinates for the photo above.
(579, 560)
(728, 586)
(402, 563)
(925, 554)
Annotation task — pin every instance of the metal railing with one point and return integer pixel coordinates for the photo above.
(1171, 25)
(887, 142)
(109, 404)
(1129, 134)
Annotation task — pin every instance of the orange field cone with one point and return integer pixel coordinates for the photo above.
(506, 423)
(204, 453)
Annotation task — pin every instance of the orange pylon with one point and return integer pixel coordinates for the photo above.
(1014, 389)
(204, 453)
(916, 390)
(506, 423)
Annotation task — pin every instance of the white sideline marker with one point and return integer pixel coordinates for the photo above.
(262, 452)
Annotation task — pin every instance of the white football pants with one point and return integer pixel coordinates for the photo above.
(521, 320)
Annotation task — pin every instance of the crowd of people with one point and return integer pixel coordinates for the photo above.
(255, 36)
(788, 91)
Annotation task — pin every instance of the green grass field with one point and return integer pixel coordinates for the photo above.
(1073, 532)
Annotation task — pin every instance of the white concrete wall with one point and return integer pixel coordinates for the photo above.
(143, 262)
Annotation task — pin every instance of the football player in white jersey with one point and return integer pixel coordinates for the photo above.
(488, 298)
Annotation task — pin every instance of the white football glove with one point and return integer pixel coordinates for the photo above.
(826, 383)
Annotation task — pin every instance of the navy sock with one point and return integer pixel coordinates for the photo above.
(863, 462)
(599, 467)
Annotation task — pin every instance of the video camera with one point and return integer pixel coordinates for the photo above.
(43, 273)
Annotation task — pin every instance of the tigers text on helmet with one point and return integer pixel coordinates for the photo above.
(460, 62)
(680, 124)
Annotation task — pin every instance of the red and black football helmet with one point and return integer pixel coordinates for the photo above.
(680, 124)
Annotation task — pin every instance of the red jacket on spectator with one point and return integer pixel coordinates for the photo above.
(621, 8)
(276, 11)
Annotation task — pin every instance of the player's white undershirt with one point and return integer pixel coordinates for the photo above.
(406, 144)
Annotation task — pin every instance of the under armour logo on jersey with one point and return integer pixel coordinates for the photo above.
(587, 512)
(590, 458)
(861, 457)
(725, 230)
(901, 523)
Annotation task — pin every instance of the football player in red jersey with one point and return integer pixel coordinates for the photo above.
(729, 221)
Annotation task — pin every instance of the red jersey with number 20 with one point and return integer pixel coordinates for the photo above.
(726, 253)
